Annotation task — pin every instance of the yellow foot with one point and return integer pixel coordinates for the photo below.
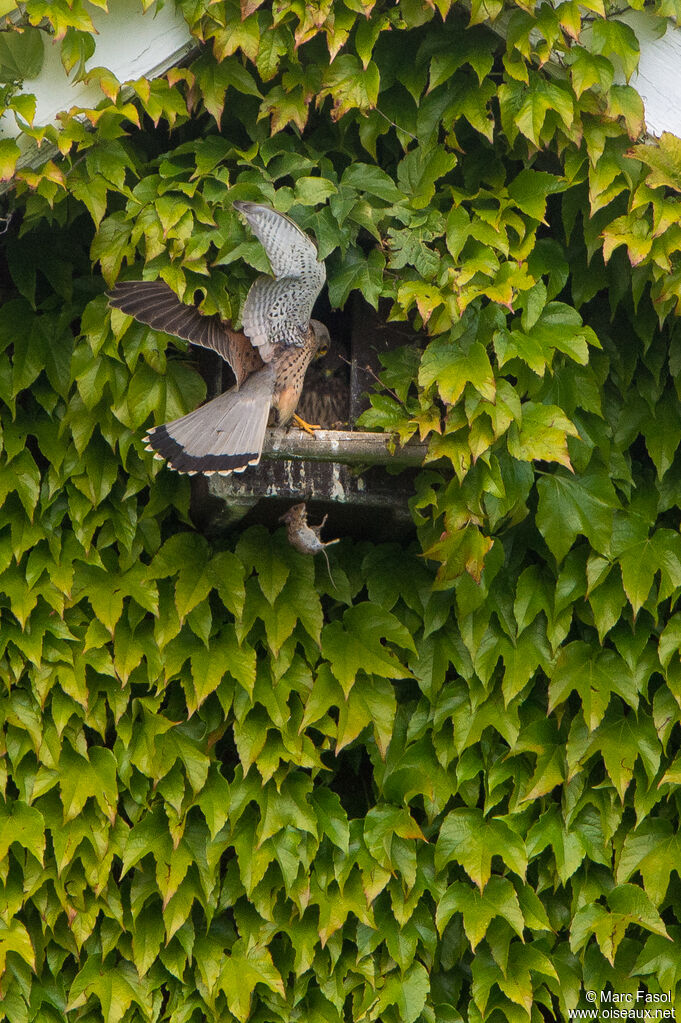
(308, 427)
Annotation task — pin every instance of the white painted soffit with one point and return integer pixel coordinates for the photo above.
(129, 42)
(658, 79)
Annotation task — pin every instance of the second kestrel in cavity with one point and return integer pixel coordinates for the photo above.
(269, 358)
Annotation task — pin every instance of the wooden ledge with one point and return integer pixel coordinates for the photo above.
(347, 447)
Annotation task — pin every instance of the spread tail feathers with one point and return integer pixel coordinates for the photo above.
(225, 435)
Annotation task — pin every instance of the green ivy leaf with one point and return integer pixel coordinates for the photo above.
(147, 938)
(420, 169)
(359, 643)
(372, 702)
(222, 656)
(572, 505)
(444, 362)
(116, 990)
(467, 838)
(542, 434)
(479, 908)
(241, 971)
(357, 272)
(621, 740)
(350, 85)
(628, 905)
(588, 71)
(332, 819)
(15, 938)
(663, 160)
(21, 54)
(24, 825)
(616, 40)
(653, 850)
(258, 551)
(111, 245)
(530, 190)
(408, 993)
(9, 155)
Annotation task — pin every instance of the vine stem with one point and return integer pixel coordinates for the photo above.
(395, 125)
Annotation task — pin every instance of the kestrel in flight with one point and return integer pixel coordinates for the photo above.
(269, 359)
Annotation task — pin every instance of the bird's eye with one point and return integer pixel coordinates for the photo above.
(322, 351)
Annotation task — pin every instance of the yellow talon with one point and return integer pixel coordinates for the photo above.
(308, 427)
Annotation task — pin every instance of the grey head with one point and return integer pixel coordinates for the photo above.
(321, 334)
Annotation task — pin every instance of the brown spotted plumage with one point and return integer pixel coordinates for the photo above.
(269, 359)
(326, 395)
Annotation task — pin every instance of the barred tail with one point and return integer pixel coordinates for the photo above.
(225, 435)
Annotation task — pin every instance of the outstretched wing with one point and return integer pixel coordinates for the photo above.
(277, 312)
(155, 304)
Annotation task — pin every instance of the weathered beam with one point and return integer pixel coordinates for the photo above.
(322, 469)
(346, 447)
(376, 502)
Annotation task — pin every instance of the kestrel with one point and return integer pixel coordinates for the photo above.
(269, 359)
(326, 397)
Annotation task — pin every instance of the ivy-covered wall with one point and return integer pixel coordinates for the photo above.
(446, 788)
